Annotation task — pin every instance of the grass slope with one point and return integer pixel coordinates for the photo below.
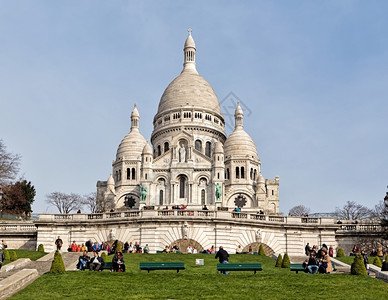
(33, 255)
(201, 282)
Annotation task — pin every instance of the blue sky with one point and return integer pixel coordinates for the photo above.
(313, 74)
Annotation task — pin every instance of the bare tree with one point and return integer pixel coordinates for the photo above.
(9, 165)
(377, 213)
(352, 211)
(90, 201)
(65, 203)
(299, 210)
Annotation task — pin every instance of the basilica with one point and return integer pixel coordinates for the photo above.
(190, 162)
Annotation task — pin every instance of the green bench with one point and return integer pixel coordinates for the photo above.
(108, 265)
(299, 267)
(240, 267)
(151, 266)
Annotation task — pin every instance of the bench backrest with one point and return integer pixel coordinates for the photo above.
(170, 264)
(237, 266)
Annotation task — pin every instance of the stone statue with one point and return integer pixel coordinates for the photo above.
(185, 230)
(258, 236)
(218, 191)
(182, 153)
(112, 234)
(143, 192)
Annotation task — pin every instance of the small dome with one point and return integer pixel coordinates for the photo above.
(135, 112)
(147, 149)
(131, 147)
(240, 144)
(261, 178)
(110, 180)
(189, 42)
(219, 148)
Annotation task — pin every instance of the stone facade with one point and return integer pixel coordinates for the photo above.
(191, 156)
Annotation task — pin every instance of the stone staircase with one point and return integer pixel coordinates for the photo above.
(20, 273)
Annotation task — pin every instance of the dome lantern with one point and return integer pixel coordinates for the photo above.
(189, 54)
(135, 117)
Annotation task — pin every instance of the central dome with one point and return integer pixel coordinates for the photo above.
(189, 89)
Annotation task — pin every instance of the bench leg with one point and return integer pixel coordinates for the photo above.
(255, 272)
(177, 270)
(296, 272)
(148, 271)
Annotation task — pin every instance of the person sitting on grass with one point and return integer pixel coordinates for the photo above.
(166, 249)
(384, 267)
(83, 261)
(175, 248)
(146, 249)
(118, 262)
(96, 263)
(312, 263)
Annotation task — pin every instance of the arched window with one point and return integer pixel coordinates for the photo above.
(133, 174)
(218, 175)
(198, 145)
(208, 149)
(128, 173)
(227, 173)
(161, 197)
(145, 176)
(242, 172)
(166, 146)
(119, 174)
(237, 172)
(182, 186)
(251, 174)
(159, 150)
(203, 197)
(254, 174)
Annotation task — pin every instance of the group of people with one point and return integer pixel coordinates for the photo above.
(96, 263)
(308, 249)
(319, 260)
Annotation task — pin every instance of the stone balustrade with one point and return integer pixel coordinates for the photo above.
(248, 216)
(17, 227)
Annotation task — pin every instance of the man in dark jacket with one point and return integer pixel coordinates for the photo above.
(83, 261)
(96, 263)
(2, 257)
(223, 257)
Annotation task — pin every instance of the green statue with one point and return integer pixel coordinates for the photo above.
(218, 191)
(143, 192)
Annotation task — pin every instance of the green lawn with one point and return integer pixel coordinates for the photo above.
(33, 255)
(201, 282)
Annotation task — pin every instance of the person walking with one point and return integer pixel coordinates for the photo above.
(223, 257)
(59, 243)
(2, 256)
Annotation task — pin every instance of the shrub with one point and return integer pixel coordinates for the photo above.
(104, 256)
(286, 261)
(358, 267)
(279, 261)
(340, 252)
(261, 250)
(6, 254)
(40, 248)
(377, 262)
(57, 266)
(118, 247)
(13, 256)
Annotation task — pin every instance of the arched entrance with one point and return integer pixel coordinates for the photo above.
(184, 243)
(254, 247)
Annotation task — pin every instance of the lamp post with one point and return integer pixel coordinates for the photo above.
(1, 203)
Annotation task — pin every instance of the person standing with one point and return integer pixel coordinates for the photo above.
(223, 257)
(366, 261)
(59, 243)
(2, 256)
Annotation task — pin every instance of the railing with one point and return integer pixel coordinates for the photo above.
(310, 220)
(17, 227)
(362, 226)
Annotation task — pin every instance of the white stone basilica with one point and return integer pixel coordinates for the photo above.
(192, 163)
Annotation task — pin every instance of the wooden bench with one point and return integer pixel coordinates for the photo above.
(240, 267)
(299, 267)
(151, 266)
